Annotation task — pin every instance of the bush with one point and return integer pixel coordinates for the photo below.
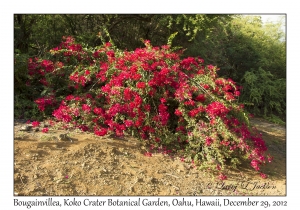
(23, 93)
(172, 104)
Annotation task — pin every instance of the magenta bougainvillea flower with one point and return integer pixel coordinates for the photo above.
(264, 176)
(35, 123)
(45, 130)
(222, 176)
(148, 154)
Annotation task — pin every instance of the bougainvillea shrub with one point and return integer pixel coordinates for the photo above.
(172, 104)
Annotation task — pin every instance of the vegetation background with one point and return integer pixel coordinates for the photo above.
(246, 49)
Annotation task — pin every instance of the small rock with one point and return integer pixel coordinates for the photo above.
(161, 171)
(25, 128)
(153, 180)
(187, 166)
(64, 137)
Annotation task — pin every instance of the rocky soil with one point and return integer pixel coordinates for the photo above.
(82, 164)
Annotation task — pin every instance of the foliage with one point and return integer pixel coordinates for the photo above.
(23, 93)
(172, 104)
(125, 29)
(264, 99)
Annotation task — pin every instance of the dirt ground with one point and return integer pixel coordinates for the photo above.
(89, 166)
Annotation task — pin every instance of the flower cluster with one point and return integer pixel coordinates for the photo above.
(43, 102)
(45, 130)
(35, 123)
